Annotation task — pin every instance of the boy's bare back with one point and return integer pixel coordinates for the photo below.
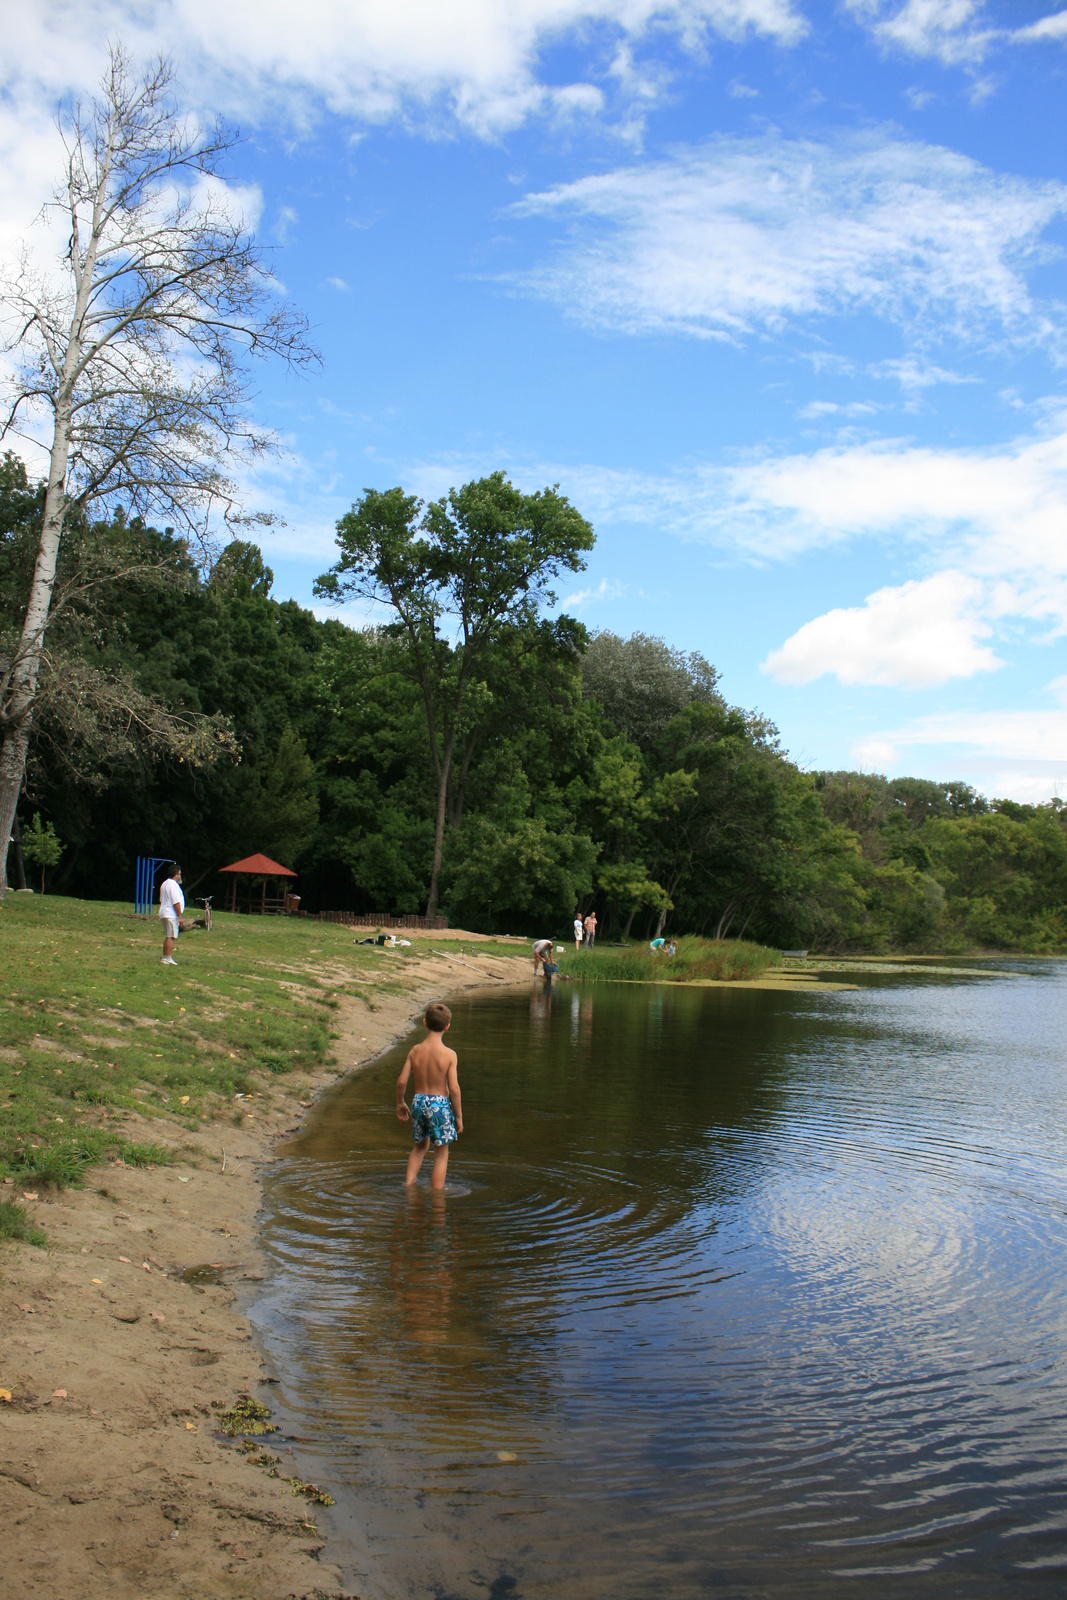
(430, 1063)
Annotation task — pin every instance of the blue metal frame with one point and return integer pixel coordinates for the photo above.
(145, 893)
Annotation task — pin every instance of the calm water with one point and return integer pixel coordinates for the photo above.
(736, 1292)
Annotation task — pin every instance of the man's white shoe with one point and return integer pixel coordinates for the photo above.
(168, 961)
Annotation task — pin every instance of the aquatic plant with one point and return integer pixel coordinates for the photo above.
(694, 961)
(246, 1416)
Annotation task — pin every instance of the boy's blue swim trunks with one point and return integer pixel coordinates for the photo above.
(431, 1118)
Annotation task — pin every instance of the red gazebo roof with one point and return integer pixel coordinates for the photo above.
(260, 866)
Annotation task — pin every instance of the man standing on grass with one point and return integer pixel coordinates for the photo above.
(171, 906)
(590, 930)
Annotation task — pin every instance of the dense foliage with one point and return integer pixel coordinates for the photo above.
(190, 713)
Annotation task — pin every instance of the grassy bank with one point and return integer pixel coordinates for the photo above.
(93, 1026)
(695, 960)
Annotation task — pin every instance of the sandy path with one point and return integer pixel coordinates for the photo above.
(114, 1480)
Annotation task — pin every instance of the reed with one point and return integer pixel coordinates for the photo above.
(696, 960)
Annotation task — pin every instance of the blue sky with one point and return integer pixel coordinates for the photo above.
(774, 289)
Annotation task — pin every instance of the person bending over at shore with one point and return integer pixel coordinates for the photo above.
(542, 953)
(436, 1113)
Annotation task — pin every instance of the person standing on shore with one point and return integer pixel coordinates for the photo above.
(590, 930)
(171, 906)
(578, 931)
(436, 1113)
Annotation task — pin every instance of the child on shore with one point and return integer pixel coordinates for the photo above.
(436, 1113)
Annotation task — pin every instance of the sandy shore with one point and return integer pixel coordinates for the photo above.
(115, 1479)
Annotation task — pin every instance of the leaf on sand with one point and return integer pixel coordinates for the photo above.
(127, 1260)
(26, 1196)
(191, 1427)
(96, 1280)
(59, 1394)
(157, 1316)
(5, 1394)
(24, 1308)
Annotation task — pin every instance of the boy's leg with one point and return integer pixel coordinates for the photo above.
(415, 1161)
(440, 1167)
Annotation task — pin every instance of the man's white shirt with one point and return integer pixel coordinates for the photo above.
(171, 899)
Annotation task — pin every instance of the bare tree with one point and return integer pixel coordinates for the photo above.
(133, 346)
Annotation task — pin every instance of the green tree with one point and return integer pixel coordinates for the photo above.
(641, 682)
(471, 573)
(41, 845)
(281, 806)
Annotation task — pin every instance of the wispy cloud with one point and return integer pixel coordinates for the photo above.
(955, 32)
(606, 589)
(745, 236)
(913, 373)
(981, 530)
(1052, 27)
(1019, 751)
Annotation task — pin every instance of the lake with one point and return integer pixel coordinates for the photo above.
(734, 1292)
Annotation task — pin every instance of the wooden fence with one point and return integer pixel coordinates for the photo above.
(378, 919)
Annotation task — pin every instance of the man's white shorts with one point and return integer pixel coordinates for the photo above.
(170, 926)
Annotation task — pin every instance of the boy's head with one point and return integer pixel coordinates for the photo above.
(437, 1018)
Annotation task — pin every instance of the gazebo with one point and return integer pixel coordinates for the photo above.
(266, 871)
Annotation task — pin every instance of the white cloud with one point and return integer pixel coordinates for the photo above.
(475, 60)
(951, 31)
(338, 283)
(1000, 512)
(996, 516)
(915, 636)
(875, 755)
(1053, 27)
(954, 32)
(984, 528)
(606, 589)
(747, 234)
(912, 374)
(834, 408)
(1016, 752)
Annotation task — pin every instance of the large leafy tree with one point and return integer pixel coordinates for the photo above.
(462, 578)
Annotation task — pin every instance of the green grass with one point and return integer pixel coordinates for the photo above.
(14, 1224)
(93, 1027)
(696, 960)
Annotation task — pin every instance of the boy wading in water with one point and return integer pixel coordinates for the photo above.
(436, 1097)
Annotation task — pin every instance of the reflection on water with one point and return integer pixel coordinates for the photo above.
(731, 1292)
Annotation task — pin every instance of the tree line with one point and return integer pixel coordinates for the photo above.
(473, 752)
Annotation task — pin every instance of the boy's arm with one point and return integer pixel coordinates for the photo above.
(401, 1089)
(454, 1094)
